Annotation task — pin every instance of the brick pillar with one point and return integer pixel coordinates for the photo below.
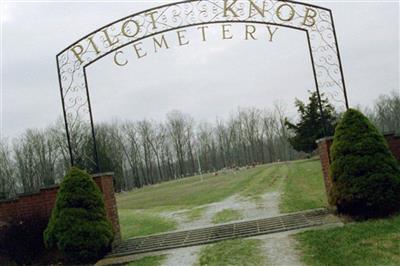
(394, 144)
(324, 146)
(105, 183)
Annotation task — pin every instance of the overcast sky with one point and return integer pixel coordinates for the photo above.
(205, 79)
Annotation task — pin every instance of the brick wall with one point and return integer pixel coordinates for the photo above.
(324, 146)
(40, 204)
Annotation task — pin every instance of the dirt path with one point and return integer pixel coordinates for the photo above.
(266, 206)
(183, 256)
(279, 248)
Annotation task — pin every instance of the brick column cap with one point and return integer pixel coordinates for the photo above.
(103, 174)
(324, 139)
(50, 187)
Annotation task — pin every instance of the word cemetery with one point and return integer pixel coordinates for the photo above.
(162, 42)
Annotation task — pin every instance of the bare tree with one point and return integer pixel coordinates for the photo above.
(7, 171)
(387, 112)
(177, 128)
(36, 155)
(133, 154)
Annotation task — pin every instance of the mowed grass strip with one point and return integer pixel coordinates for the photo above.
(304, 188)
(195, 213)
(243, 252)
(374, 242)
(265, 181)
(139, 223)
(226, 215)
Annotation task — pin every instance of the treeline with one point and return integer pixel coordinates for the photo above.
(147, 152)
(385, 113)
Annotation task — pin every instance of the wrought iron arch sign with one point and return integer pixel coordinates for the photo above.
(316, 22)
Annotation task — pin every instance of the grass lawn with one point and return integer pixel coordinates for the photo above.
(374, 242)
(148, 261)
(139, 209)
(244, 252)
(192, 191)
(301, 182)
(139, 223)
(195, 213)
(268, 180)
(226, 215)
(304, 188)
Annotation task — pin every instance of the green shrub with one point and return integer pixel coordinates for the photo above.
(365, 175)
(78, 225)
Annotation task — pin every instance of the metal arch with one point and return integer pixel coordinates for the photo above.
(172, 4)
(80, 69)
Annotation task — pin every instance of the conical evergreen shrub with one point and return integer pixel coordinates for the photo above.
(365, 175)
(78, 225)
